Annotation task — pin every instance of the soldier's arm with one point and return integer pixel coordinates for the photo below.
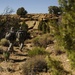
(6, 34)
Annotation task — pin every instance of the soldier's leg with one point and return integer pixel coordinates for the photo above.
(21, 46)
(10, 48)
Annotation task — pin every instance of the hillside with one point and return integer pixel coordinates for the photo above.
(59, 62)
(16, 61)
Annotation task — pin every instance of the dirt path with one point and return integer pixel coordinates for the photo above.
(13, 66)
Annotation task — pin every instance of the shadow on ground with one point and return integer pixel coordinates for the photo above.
(22, 54)
(18, 60)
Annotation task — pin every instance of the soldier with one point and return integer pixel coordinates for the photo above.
(22, 35)
(11, 36)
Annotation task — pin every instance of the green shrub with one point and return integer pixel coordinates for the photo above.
(44, 27)
(71, 56)
(37, 51)
(43, 40)
(4, 42)
(24, 26)
(35, 41)
(34, 65)
(55, 67)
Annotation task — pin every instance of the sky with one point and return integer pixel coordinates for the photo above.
(32, 6)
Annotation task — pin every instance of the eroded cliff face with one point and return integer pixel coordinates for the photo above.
(30, 23)
(31, 18)
(14, 20)
(37, 17)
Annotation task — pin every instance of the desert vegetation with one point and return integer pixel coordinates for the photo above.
(50, 46)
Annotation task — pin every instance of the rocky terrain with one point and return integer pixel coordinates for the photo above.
(14, 65)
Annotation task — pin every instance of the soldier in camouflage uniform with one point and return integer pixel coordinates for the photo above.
(11, 36)
(22, 35)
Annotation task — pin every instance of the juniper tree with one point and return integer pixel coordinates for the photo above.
(67, 28)
(68, 23)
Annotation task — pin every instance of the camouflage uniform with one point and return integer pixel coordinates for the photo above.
(26, 36)
(11, 39)
(22, 39)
